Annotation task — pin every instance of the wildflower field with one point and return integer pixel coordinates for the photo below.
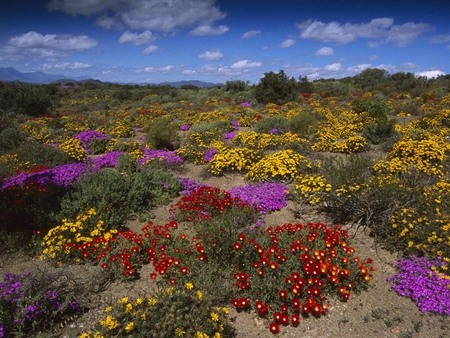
(324, 217)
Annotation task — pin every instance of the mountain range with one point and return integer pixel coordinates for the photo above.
(10, 74)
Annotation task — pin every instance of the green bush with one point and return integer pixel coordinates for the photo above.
(116, 196)
(162, 134)
(380, 131)
(360, 105)
(266, 125)
(42, 154)
(305, 123)
(10, 138)
(276, 88)
(216, 127)
(19, 98)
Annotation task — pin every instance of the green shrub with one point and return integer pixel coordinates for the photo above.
(305, 123)
(379, 110)
(276, 88)
(216, 127)
(42, 154)
(116, 196)
(162, 134)
(380, 131)
(20, 98)
(10, 138)
(266, 125)
(360, 105)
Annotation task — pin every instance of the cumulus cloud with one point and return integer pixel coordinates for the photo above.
(150, 49)
(66, 65)
(188, 72)
(67, 42)
(324, 51)
(143, 38)
(155, 70)
(382, 30)
(250, 34)
(209, 30)
(245, 64)
(155, 15)
(212, 56)
(287, 43)
(49, 45)
(430, 73)
(334, 67)
(442, 38)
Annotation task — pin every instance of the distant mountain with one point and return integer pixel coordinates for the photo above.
(196, 83)
(10, 74)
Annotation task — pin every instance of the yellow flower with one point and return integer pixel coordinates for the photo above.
(129, 327)
(108, 309)
(214, 316)
(123, 300)
(199, 295)
(189, 286)
(128, 307)
(179, 332)
(217, 335)
(139, 301)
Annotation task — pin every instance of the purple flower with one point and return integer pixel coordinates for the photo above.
(266, 197)
(189, 185)
(426, 288)
(230, 135)
(235, 124)
(185, 127)
(168, 157)
(247, 104)
(209, 154)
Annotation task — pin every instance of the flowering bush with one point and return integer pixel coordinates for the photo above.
(168, 313)
(289, 270)
(32, 303)
(282, 165)
(266, 197)
(232, 159)
(311, 188)
(74, 149)
(416, 279)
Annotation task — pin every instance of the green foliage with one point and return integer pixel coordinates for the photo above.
(162, 134)
(116, 196)
(219, 127)
(10, 138)
(352, 169)
(266, 125)
(276, 88)
(235, 86)
(305, 123)
(380, 131)
(20, 98)
(42, 154)
(360, 105)
(379, 110)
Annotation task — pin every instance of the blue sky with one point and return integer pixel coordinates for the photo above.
(153, 41)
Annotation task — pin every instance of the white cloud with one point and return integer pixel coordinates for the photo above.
(245, 64)
(66, 65)
(381, 29)
(209, 30)
(334, 67)
(324, 51)
(430, 73)
(33, 44)
(213, 56)
(250, 34)
(442, 38)
(373, 58)
(188, 72)
(144, 38)
(150, 49)
(287, 43)
(34, 40)
(155, 15)
(155, 70)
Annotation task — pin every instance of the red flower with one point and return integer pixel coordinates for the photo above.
(295, 319)
(274, 328)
